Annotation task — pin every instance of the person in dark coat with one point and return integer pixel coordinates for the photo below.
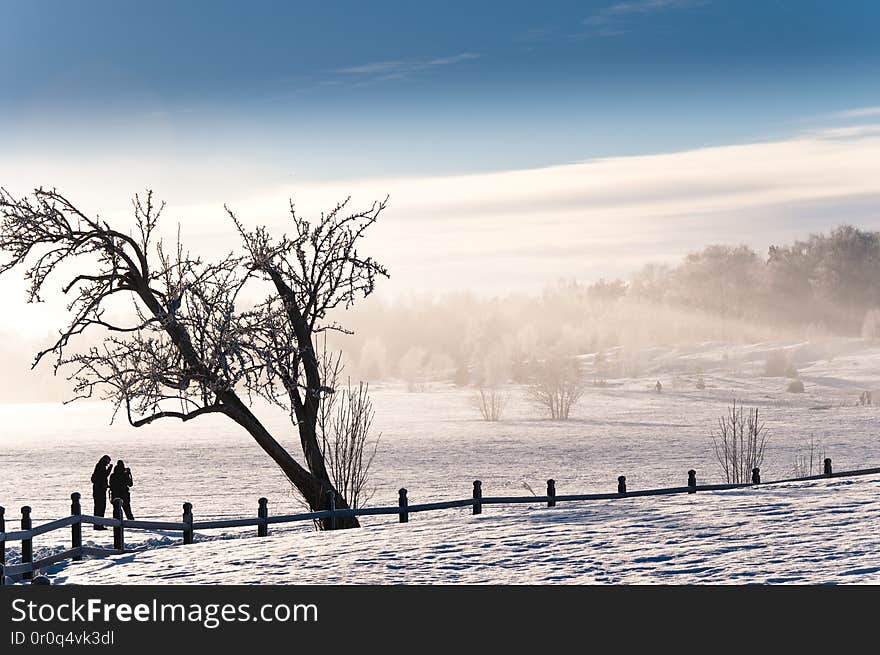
(99, 487)
(120, 483)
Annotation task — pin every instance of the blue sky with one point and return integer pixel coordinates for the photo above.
(520, 142)
(358, 88)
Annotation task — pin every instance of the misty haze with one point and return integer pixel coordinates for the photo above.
(384, 307)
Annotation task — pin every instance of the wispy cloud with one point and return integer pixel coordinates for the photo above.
(861, 112)
(847, 132)
(505, 229)
(647, 6)
(534, 35)
(522, 228)
(403, 68)
(614, 19)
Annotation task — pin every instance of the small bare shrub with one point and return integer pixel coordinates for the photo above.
(808, 460)
(492, 373)
(557, 384)
(348, 448)
(739, 443)
(795, 386)
(491, 402)
(345, 420)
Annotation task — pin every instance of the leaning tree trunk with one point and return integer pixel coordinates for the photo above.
(313, 489)
(306, 409)
(313, 484)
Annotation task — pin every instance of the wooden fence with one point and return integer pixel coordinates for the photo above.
(187, 526)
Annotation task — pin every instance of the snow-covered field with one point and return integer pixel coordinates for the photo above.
(434, 444)
(817, 532)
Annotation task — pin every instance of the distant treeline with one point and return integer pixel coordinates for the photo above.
(831, 281)
(826, 284)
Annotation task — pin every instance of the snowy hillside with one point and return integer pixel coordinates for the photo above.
(435, 444)
(815, 532)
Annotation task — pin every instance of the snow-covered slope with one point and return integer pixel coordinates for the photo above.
(809, 532)
(435, 444)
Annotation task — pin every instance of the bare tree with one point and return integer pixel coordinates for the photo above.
(739, 443)
(345, 421)
(557, 384)
(187, 349)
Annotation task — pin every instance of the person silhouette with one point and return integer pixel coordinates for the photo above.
(99, 487)
(120, 482)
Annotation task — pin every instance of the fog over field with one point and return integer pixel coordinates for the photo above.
(822, 285)
(320, 254)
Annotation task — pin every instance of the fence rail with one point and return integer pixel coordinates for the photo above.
(29, 566)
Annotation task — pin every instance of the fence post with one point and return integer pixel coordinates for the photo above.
(621, 484)
(828, 466)
(118, 535)
(692, 481)
(403, 503)
(263, 513)
(188, 521)
(2, 545)
(76, 534)
(551, 493)
(27, 545)
(2, 541)
(331, 506)
(478, 494)
(756, 475)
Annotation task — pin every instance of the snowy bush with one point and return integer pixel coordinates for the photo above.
(795, 386)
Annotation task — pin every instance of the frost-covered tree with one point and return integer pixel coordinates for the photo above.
(187, 347)
(557, 384)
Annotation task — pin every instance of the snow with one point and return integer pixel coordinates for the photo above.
(810, 532)
(435, 445)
